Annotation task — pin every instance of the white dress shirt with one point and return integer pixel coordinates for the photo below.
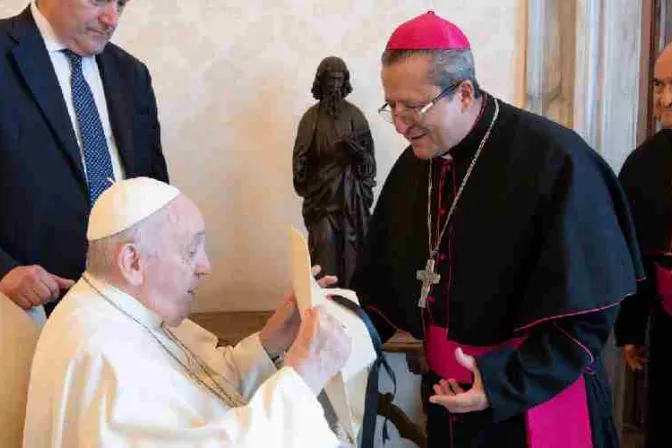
(92, 76)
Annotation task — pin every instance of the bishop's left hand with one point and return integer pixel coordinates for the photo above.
(450, 395)
(282, 327)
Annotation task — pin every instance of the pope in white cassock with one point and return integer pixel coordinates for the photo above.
(119, 365)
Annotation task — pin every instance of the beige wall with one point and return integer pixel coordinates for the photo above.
(232, 79)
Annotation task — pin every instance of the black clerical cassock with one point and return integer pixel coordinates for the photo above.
(646, 178)
(533, 265)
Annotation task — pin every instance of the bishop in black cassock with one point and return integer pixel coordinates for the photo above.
(646, 178)
(534, 252)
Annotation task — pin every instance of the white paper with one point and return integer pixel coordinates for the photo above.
(346, 390)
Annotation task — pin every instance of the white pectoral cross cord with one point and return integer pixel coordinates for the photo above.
(428, 278)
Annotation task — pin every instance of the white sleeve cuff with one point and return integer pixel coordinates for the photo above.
(253, 364)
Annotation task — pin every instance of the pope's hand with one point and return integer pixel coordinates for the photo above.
(281, 329)
(30, 286)
(450, 395)
(634, 356)
(321, 349)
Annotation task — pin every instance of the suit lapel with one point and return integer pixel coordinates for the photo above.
(37, 70)
(118, 107)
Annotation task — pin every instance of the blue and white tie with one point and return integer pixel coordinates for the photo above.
(96, 153)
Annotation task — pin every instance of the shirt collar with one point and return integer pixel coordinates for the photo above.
(465, 149)
(124, 302)
(48, 35)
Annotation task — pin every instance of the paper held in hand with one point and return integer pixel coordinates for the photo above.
(346, 390)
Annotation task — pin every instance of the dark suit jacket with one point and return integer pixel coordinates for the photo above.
(44, 203)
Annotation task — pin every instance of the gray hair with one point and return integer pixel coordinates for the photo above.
(146, 235)
(449, 67)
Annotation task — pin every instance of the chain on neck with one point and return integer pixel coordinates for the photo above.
(230, 397)
(433, 250)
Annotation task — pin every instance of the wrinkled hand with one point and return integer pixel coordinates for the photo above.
(450, 395)
(326, 280)
(281, 328)
(30, 286)
(321, 349)
(634, 356)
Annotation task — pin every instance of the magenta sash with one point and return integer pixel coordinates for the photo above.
(664, 286)
(561, 422)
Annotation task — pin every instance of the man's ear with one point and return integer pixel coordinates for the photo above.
(131, 265)
(466, 94)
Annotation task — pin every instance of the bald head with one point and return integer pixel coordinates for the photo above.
(662, 87)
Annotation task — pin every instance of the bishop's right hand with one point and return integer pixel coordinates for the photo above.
(320, 350)
(634, 356)
(30, 286)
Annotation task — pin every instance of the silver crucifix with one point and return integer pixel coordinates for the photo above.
(428, 278)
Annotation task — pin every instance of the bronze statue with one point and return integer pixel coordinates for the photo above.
(334, 171)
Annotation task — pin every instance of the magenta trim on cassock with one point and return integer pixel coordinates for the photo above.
(562, 316)
(576, 341)
(664, 286)
(547, 424)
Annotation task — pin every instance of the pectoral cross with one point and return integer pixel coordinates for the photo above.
(428, 278)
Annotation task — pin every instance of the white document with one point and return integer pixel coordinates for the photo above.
(347, 389)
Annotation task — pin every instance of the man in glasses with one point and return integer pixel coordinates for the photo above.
(504, 242)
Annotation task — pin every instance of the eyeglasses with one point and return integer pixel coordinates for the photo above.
(412, 115)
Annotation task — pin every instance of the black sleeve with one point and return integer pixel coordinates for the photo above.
(159, 169)
(371, 279)
(7, 263)
(586, 256)
(631, 324)
(633, 317)
(552, 357)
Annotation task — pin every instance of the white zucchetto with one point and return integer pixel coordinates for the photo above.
(126, 203)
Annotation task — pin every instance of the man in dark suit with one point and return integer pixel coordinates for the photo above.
(75, 113)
